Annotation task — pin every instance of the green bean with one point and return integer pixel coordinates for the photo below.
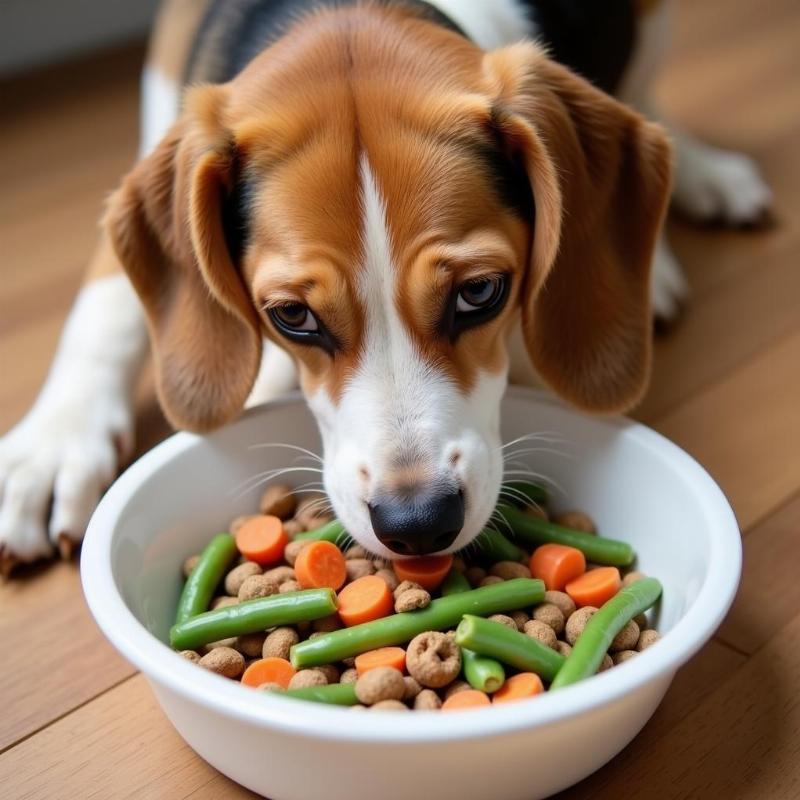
(523, 493)
(482, 673)
(596, 548)
(600, 630)
(495, 547)
(493, 639)
(454, 583)
(201, 583)
(335, 694)
(441, 614)
(252, 616)
(332, 531)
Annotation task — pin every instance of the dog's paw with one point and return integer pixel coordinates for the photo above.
(668, 287)
(53, 467)
(714, 185)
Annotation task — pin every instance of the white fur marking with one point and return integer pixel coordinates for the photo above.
(159, 108)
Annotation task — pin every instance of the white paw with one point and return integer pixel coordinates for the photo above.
(64, 452)
(716, 185)
(668, 287)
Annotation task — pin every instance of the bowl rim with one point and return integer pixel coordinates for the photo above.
(167, 668)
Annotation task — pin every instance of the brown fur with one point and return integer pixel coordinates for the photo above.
(408, 94)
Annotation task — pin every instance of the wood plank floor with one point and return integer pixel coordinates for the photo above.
(726, 387)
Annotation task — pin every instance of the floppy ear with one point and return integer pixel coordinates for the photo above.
(166, 225)
(600, 177)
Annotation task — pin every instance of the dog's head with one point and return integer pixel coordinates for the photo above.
(386, 202)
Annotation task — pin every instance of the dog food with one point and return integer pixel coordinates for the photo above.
(283, 605)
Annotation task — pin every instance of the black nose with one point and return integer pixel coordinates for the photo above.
(416, 523)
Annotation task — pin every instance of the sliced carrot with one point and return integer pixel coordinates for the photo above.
(469, 698)
(365, 599)
(519, 687)
(595, 587)
(320, 564)
(269, 670)
(427, 571)
(382, 657)
(262, 539)
(557, 565)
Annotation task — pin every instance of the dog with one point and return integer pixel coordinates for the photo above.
(401, 203)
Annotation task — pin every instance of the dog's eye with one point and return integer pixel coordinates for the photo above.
(480, 294)
(294, 318)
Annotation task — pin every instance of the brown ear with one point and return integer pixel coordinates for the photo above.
(166, 225)
(600, 176)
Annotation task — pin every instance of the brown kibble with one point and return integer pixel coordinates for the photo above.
(349, 676)
(358, 568)
(189, 565)
(389, 705)
(475, 575)
(641, 621)
(427, 700)
(434, 659)
(455, 687)
(623, 655)
(229, 642)
(190, 655)
(234, 527)
(381, 563)
(537, 511)
(505, 619)
(490, 579)
(577, 622)
(541, 631)
(520, 618)
(381, 683)
(256, 586)
(605, 664)
(562, 600)
(412, 600)
(412, 688)
(310, 515)
(238, 575)
(388, 576)
(279, 575)
(327, 624)
(576, 520)
(355, 551)
(292, 527)
(224, 661)
(271, 687)
(647, 638)
(349, 662)
(507, 570)
(292, 550)
(278, 500)
(459, 565)
(250, 644)
(563, 648)
(632, 577)
(405, 586)
(330, 672)
(224, 601)
(279, 642)
(551, 615)
(626, 639)
(306, 678)
(289, 586)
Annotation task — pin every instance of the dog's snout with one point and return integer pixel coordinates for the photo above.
(416, 523)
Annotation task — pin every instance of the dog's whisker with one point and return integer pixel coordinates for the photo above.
(536, 475)
(553, 451)
(268, 475)
(303, 450)
(543, 436)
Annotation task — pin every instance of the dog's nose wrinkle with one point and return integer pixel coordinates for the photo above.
(416, 523)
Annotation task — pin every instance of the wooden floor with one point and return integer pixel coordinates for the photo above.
(77, 722)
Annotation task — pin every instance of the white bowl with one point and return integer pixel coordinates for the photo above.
(636, 484)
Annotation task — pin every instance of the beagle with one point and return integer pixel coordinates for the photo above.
(402, 203)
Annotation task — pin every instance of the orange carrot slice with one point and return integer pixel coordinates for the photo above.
(320, 564)
(595, 587)
(427, 571)
(365, 599)
(469, 698)
(394, 657)
(557, 565)
(269, 670)
(262, 539)
(519, 687)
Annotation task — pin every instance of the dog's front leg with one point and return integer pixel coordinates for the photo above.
(70, 444)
